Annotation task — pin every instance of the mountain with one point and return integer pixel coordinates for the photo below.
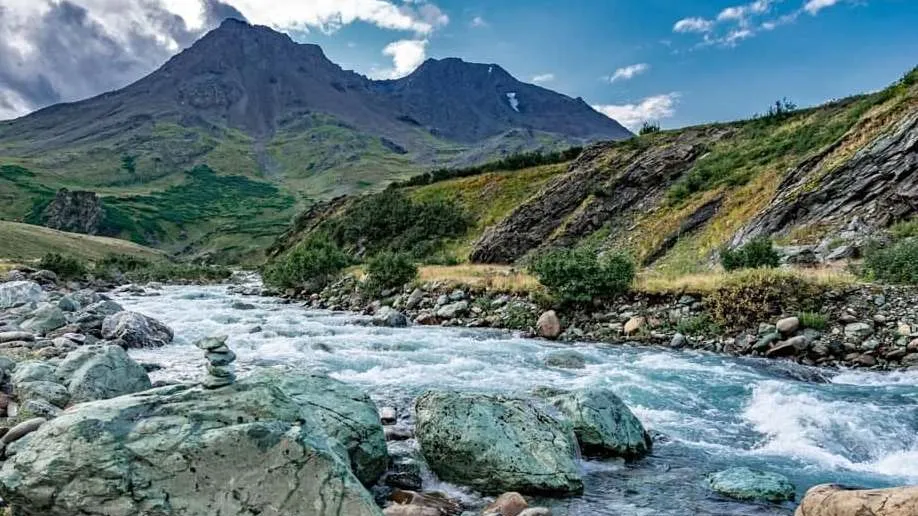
(820, 182)
(248, 102)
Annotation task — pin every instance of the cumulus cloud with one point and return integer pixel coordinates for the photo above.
(628, 72)
(543, 78)
(736, 23)
(478, 22)
(64, 50)
(653, 108)
(406, 54)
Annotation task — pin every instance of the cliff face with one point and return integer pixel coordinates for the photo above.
(76, 212)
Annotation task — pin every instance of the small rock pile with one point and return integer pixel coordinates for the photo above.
(220, 369)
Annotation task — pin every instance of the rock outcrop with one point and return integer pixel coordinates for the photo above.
(76, 212)
(15, 293)
(245, 449)
(496, 444)
(136, 330)
(604, 425)
(101, 372)
(833, 500)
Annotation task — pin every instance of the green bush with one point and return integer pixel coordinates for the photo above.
(312, 264)
(756, 254)
(905, 229)
(813, 320)
(66, 267)
(581, 275)
(388, 270)
(897, 263)
(701, 324)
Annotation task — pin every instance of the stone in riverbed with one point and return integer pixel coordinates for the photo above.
(634, 325)
(32, 371)
(834, 500)
(752, 485)
(15, 293)
(223, 358)
(788, 326)
(549, 326)
(565, 359)
(52, 392)
(21, 430)
(101, 372)
(507, 504)
(136, 330)
(43, 319)
(12, 336)
(603, 424)
(390, 317)
(453, 310)
(194, 444)
(496, 444)
(858, 331)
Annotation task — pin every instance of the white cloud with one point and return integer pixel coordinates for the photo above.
(693, 25)
(653, 108)
(814, 6)
(736, 23)
(406, 54)
(543, 78)
(628, 72)
(478, 22)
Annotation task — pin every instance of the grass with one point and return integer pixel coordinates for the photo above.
(27, 242)
(707, 282)
(487, 277)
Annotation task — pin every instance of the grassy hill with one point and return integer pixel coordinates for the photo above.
(673, 199)
(25, 242)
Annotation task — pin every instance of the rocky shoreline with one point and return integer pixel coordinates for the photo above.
(862, 326)
(80, 418)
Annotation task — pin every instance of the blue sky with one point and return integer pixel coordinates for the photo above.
(679, 62)
(832, 50)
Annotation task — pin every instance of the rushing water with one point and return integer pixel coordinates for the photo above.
(706, 412)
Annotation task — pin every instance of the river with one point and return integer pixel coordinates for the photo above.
(706, 412)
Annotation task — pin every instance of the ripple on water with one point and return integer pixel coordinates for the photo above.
(709, 412)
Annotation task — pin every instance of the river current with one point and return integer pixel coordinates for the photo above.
(706, 412)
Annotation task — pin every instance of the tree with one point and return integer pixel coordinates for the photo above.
(129, 164)
(649, 128)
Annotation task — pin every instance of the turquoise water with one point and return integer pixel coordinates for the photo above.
(706, 412)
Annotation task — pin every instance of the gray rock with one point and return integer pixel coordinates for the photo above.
(52, 392)
(40, 408)
(220, 359)
(566, 359)
(43, 319)
(103, 307)
(536, 511)
(136, 330)
(33, 371)
(496, 444)
(751, 485)
(604, 425)
(345, 412)
(13, 336)
(15, 293)
(549, 325)
(788, 326)
(765, 343)
(451, 311)
(456, 295)
(417, 295)
(21, 430)
(68, 304)
(678, 341)
(858, 331)
(194, 444)
(101, 372)
(390, 317)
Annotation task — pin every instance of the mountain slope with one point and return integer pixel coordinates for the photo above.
(822, 180)
(248, 102)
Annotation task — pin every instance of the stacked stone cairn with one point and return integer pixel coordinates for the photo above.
(220, 369)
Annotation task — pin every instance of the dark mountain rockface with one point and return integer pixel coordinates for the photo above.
(76, 212)
(260, 81)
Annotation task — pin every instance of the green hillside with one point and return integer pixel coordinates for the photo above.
(25, 242)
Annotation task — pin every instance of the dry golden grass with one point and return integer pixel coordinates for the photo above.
(703, 283)
(496, 278)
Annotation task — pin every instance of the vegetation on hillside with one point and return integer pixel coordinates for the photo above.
(24, 242)
(755, 254)
(312, 265)
(582, 275)
(388, 270)
(507, 164)
(130, 268)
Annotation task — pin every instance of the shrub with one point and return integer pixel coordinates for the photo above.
(166, 272)
(756, 254)
(312, 264)
(581, 275)
(813, 320)
(905, 229)
(389, 270)
(897, 263)
(753, 296)
(649, 128)
(698, 325)
(66, 267)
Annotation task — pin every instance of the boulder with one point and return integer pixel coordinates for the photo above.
(752, 485)
(43, 319)
(136, 330)
(858, 331)
(32, 371)
(603, 424)
(246, 449)
(101, 372)
(68, 304)
(507, 504)
(834, 500)
(347, 414)
(634, 325)
(565, 359)
(13, 336)
(548, 325)
(496, 444)
(15, 293)
(453, 310)
(788, 326)
(52, 392)
(390, 317)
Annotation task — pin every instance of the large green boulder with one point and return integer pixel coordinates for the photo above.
(347, 414)
(100, 372)
(496, 444)
(45, 318)
(243, 449)
(604, 425)
(752, 485)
